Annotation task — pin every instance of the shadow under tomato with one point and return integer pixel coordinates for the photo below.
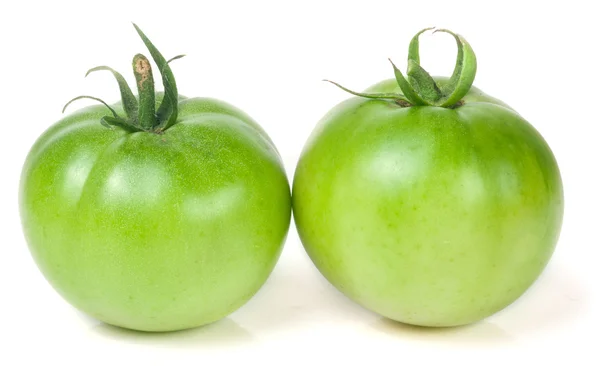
(555, 300)
(483, 333)
(296, 296)
(224, 332)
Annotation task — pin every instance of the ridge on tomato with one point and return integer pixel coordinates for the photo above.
(165, 213)
(427, 201)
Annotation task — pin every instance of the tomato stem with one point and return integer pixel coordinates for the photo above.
(145, 85)
(422, 89)
(167, 111)
(142, 115)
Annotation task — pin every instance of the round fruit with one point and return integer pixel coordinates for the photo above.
(426, 200)
(164, 220)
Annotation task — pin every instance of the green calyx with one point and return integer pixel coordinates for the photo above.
(141, 113)
(420, 89)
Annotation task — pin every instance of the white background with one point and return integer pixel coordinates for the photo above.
(268, 58)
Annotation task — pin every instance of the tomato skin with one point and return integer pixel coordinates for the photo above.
(156, 232)
(427, 215)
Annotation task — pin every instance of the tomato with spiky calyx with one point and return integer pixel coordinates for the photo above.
(427, 201)
(169, 213)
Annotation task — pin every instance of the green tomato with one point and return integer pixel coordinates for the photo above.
(156, 230)
(428, 215)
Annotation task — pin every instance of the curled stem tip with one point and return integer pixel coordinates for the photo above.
(413, 47)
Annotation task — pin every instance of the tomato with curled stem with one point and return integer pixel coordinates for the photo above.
(426, 200)
(167, 213)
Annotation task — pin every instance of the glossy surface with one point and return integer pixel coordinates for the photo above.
(426, 215)
(156, 232)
